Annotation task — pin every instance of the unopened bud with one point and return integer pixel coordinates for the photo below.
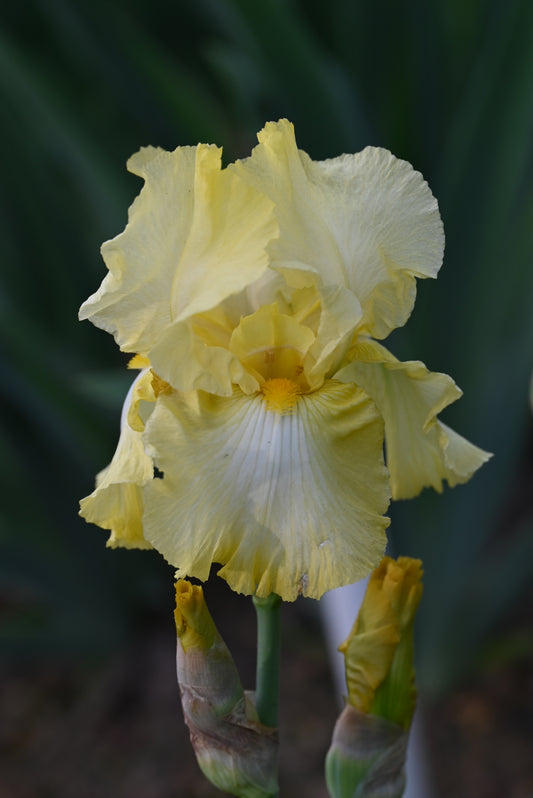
(235, 752)
(379, 651)
(367, 755)
(366, 758)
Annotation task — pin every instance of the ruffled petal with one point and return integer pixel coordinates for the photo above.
(288, 503)
(461, 457)
(421, 451)
(367, 222)
(117, 503)
(196, 234)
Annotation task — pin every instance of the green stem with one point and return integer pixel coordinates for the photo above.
(268, 658)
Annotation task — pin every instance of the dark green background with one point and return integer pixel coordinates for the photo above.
(447, 85)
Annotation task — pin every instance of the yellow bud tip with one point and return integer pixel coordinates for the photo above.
(401, 581)
(379, 650)
(280, 394)
(194, 625)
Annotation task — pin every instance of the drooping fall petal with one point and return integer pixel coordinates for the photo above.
(117, 503)
(290, 503)
(421, 450)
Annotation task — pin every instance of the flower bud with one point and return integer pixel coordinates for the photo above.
(367, 755)
(233, 749)
(366, 758)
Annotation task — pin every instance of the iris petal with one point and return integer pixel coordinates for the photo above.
(117, 502)
(288, 503)
(368, 222)
(421, 450)
(188, 245)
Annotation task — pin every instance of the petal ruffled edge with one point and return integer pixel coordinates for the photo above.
(196, 235)
(117, 503)
(366, 221)
(133, 301)
(291, 504)
(421, 451)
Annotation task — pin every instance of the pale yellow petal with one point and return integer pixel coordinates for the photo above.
(226, 249)
(189, 364)
(196, 234)
(117, 503)
(462, 458)
(421, 451)
(271, 344)
(133, 302)
(366, 221)
(139, 402)
(340, 314)
(330, 315)
(288, 503)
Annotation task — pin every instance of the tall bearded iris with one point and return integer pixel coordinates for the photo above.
(255, 297)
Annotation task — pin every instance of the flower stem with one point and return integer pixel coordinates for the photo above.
(268, 658)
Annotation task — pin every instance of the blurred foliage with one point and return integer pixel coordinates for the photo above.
(446, 85)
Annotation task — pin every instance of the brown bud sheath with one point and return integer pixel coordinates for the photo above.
(235, 752)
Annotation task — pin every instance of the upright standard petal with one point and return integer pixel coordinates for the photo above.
(368, 222)
(290, 503)
(196, 235)
(117, 503)
(421, 451)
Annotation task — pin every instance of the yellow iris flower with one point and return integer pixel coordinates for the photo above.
(254, 297)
